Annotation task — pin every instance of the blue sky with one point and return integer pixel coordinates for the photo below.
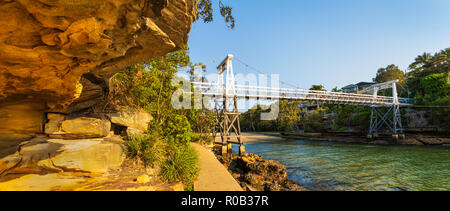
(329, 42)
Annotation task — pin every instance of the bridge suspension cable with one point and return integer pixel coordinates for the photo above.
(261, 72)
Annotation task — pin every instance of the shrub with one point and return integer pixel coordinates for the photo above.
(150, 149)
(181, 165)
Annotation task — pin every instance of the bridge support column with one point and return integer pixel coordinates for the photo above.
(228, 125)
(241, 150)
(224, 150)
(390, 119)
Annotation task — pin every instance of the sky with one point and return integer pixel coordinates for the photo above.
(328, 42)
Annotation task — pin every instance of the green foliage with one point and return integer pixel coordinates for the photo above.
(435, 84)
(182, 165)
(251, 120)
(428, 83)
(390, 73)
(317, 88)
(425, 65)
(287, 119)
(205, 12)
(167, 141)
(288, 116)
(148, 148)
(336, 89)
(313, 122)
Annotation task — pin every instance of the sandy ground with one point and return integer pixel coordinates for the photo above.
(252, 137)
(213, 175)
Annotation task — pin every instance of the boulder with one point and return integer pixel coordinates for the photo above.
(54, 123)
(81, 127)
(131, 117)
(252, 170)
(133, 132)
(41, 155)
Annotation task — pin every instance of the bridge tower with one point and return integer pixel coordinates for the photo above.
(389, 118)
(227, 114)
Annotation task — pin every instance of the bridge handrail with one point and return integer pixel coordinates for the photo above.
(253, 91)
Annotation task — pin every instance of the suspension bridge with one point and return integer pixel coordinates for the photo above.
(226, 93)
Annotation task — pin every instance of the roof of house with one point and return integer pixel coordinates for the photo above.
(349, 86)
(364, 83)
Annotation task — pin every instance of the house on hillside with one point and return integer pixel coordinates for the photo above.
(360, 87)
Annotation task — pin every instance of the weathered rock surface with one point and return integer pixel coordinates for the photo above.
(47, 45)
(47, 182)
(434, 140)
(133, 132)
(131, 117)
(68, 182)
(19, 122)
(42, 155)
(81, 127)
(58, 55)
(410, 141)
(91, 94)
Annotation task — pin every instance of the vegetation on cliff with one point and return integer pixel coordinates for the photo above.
(428, 82)
(166, 143)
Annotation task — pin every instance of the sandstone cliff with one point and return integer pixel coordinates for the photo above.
(57, 55)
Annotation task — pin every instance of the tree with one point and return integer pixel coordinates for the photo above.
(205, 12)
(317, 88)
(421, 61)
(390, 73)
(288, 116)
(336, 89)
(425, 65)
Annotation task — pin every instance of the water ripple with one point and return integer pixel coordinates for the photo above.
(342, 166)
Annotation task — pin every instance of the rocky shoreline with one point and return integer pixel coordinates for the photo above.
(410, 139)
(256, 174)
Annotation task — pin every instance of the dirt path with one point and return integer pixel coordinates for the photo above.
(213, 175)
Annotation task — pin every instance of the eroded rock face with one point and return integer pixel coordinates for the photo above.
(20, 120)
(81, 127)
(47, 45)
(57, 55)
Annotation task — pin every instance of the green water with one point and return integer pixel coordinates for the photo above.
(338, 166)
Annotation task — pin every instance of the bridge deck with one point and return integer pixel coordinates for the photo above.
(255, 92)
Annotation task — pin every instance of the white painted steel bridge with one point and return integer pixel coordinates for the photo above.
(226, 93)
(259, 92)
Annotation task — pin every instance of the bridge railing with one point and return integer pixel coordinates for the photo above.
(260, 92)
